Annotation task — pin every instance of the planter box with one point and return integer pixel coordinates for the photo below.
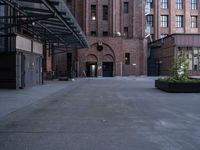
(178, 87)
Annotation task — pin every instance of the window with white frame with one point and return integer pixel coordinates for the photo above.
(150, 20)
(179, 4)
(149, 3)
(194, 21)
(179, 21)
(164, 21)
(193, 4)
(192, 54)
(164, 3)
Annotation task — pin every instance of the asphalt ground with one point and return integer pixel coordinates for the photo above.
(102, 114)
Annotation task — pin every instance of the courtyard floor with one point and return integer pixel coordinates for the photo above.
(99, 114)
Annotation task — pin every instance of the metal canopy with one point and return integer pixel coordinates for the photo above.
(51, 19)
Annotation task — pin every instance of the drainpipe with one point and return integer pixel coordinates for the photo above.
(121, 66)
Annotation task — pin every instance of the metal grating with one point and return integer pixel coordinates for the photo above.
(49, 18)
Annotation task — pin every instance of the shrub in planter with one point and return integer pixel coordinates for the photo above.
(180, 81)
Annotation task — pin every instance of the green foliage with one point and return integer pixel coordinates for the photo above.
(180, 72)
(174, 80)
(180, 69)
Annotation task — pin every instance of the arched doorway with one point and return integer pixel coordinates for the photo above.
(107, 65)
(99, 62)
(91, 66)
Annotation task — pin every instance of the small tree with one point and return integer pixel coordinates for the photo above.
(180, 68)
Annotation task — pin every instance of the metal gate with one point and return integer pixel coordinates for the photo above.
(153, 67)
(107, 69)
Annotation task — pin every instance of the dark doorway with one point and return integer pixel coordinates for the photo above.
(91, 69)
(23, 62)
(153, 67)
(107, 69)
(69, 65)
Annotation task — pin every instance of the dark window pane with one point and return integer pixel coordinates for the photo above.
(105, 33)
(126, 7)
(126, 32)
(93, 12)
(127, 58)
(93, 33)
(105, 12)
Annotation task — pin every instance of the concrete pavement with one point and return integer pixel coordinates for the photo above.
(12, 100)
(105, 114)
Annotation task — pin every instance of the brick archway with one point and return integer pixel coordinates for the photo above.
(108, 58)
(91, 58)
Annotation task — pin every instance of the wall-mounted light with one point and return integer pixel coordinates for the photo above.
(93, 18)
(118, 33)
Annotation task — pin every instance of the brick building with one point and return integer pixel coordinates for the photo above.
(115, 30)
(119, 31)
(173, 16)
(174, 25)
(164, 51)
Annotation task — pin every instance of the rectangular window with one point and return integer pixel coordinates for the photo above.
(93, 33)
(187, 52)
(150, 20)
(105, 12)
(126, 32)
(164, 21)
(127, 58)
(179, 4)
(194, 4)
(164, 3)
(93, 12)
(149, 3)
(126, 7)
(193, 56)
(105, 33)
(194, 21)
(2, 40)
(2, 13)
(179, 21)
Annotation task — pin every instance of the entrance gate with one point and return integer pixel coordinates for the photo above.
(107, 69)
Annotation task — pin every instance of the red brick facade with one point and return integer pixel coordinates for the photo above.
(187, 11)
(116, 49)
(115, 44)
(165, 51)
